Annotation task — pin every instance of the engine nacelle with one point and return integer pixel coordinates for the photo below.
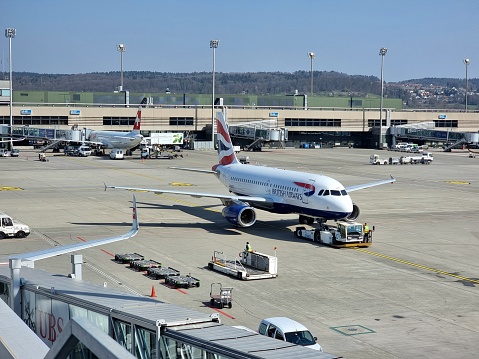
(240, 215)
(354, 214)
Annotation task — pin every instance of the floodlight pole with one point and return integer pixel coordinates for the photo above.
(213, 45)
(311, 55)
(467, 62)
(382, 52)
(10, 34)
(121, 48)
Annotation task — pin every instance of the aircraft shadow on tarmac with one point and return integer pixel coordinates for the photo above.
(273, 229)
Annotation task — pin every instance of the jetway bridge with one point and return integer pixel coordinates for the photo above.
(252, 135)
(425, 132)
(46, 134)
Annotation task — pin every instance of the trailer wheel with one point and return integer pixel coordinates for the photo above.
(317, 236)
(221, 305)
(230, 305)
(298, 230)
(20, 234)
(2, 235)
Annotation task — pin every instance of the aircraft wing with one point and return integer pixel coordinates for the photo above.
(13, 139)
(371, 184)
(224, 198)
(52, 252)
(192, 169)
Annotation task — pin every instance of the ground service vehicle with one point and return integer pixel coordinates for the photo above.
(116, 154)
(179, 281)
(376, 160)
(393, 160)
(344, 234)
(224, 298)
(424, 158)
(9, 228)
(142, 265)
(83, 151)
(15, 153)
(128, 257)
(162, 272)
(289, 330)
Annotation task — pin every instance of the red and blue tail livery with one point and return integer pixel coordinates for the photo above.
(249, 187)
(226, 153)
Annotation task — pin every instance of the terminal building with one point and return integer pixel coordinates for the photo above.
(303, 121)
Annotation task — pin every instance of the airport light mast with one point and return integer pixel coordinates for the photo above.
(382, 52)
(10, 34)
(213, 45)
(121, 49)
(311, 55)
(466, 62)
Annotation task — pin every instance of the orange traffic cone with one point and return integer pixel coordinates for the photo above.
(153, 292)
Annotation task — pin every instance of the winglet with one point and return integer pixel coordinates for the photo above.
(105, 186)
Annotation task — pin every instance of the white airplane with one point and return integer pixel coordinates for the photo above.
(312, 196)
(56, 251)
(117, 139)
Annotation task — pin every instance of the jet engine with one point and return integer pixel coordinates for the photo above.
(354, 214)
(240, 215)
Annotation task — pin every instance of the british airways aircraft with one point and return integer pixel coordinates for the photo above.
(311, 196)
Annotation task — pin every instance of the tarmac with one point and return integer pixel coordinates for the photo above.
(413, 293)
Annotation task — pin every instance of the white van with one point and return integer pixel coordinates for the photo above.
(84, 151)
(116, 154)
(289, 330)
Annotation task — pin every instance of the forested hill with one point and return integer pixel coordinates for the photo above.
(257, 83)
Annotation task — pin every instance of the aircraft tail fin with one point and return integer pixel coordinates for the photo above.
(136, 126)
(226, 153)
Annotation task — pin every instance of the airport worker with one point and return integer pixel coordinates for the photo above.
(367, 232)
(248, 247)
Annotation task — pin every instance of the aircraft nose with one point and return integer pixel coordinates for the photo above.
(342, 204)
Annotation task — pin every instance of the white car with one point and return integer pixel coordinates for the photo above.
(289, 330)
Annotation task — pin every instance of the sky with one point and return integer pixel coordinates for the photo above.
(424, 38)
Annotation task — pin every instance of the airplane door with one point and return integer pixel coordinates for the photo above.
(268, 187)
(308, 191)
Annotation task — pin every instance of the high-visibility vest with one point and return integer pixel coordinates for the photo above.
(248, 247)
(366, 229)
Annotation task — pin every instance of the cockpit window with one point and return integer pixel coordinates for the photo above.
(343, 192)
(320, 192)
(335, 192)
(326, 192)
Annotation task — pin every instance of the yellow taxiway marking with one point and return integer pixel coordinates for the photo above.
(181, 184)
(457, 182)
(417, 265)
(8, 188)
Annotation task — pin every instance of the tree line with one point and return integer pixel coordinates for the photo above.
(325, 83)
